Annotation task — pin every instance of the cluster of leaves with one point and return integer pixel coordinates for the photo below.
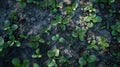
(60, 22)
(116, 30)
(86, 59)
(11, 28)
(23, 3)
(91, 19)
(55, 57)
(105, 1)
(101, 44)
(26, 63)
(80, 33)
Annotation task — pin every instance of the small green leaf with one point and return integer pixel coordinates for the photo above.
(61, 40)
(74, 34)
(22, 5)
(55, 22)
(51, 63)
(59, 18)
(91, 58)
(63, 27)
(71, 14)
(18, 43)
(82, 61)
(16, 62)
(35, 65)
(90, 25)
(1, 41)
(74, 6)
(29, 1)
(14, 27)
(98, 19)
(55, 38)
(6, 25)
(65, 21)
(56, 51)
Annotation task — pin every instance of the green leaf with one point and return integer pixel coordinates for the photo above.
(55, 22)
(16, 62)
(6, 24)
(52, 53)
(1, 41)
(42, 40)
(55, 38)
(68, 8)
(65, 21)
(87, 18)
(22, 5)
(95, 0)
(71, 14)
(91, 58)
(82, 61)
(33, 44)
(63, 27)
(26, 63)
(74, 34)
(74, 6)
(29, 1)
(58, 18)
(98, 19)
(18, 43)
(62, 59)
(56, 51)
(51, 63)
(90, 25)
(61, 40)
(14, 27)
(35, 65)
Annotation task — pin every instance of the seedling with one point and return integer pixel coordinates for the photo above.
(116, 30)
(16, 63)
(57, 37)
(91, 19)
(37, 54)
(86, 58)
(103, 43)
(79, 33)
(53, 53)
(51, 63)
